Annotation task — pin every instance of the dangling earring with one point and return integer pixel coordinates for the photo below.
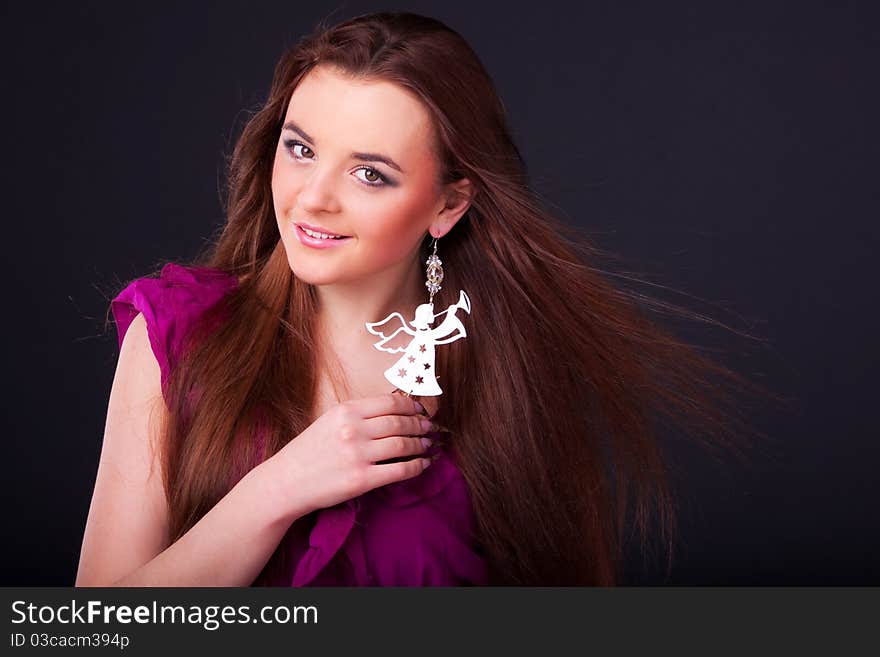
(413, 373)
(434, 273)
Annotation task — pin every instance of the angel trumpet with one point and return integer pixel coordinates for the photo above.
(463, 302)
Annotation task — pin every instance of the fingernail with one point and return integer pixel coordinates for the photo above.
(426, 442)
(420, 408)
(426, 463)
(426, 425)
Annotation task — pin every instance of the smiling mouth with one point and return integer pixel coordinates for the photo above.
(316, 234)
(312, 239)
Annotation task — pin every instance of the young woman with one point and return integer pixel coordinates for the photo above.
(252, 434)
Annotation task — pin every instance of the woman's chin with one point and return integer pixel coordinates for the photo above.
(317, 275)
(313, 279)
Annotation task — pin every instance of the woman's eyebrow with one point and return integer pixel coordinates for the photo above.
(364, 157)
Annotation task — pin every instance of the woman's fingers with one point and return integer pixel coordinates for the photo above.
(397, 425)
(389, 404)
(383, 449)
(388, 473)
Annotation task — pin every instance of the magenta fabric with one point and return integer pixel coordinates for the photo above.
(416, 532)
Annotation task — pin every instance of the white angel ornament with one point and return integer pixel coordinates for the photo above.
(413, 373)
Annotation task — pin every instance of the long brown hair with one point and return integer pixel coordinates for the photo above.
(556, 399)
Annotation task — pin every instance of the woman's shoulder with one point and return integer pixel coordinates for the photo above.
(170, 304)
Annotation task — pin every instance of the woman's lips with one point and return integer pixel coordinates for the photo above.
(317, 242)
(318, 229)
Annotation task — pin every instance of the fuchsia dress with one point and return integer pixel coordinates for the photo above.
(416, 532)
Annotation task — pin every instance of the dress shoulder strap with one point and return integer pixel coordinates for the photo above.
(170, 304)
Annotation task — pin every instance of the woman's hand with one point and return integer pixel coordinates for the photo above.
(338, 456)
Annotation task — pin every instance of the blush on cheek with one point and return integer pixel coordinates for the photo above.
(386, 251)
(394, 245)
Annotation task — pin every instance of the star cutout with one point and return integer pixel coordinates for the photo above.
(427, 366)
(419, 379)
(401, 373)
(412, 359)
(422, 348)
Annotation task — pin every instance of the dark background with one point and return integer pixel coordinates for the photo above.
(726, 150)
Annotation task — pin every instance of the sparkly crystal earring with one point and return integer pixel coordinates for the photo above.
(434, 273)
(413, 373)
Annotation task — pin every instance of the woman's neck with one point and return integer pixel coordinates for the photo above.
(345, 308)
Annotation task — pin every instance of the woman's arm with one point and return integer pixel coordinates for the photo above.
(228, 547)
(126, 537)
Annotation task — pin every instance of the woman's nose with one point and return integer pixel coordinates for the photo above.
(318, 194)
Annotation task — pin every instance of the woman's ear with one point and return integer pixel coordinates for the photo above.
(456, 200)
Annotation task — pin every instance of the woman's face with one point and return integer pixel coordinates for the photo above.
(327, 174)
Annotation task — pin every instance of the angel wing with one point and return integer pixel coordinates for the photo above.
(374, 328)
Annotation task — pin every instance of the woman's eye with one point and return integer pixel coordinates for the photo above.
(306, 152)
(373, 177)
